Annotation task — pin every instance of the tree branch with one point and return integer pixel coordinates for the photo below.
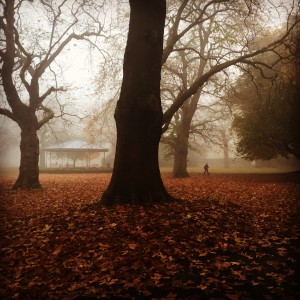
(48, 92)
(167, 117)
(7, 113)
(174, 36)
(49, 114)
(46, 62)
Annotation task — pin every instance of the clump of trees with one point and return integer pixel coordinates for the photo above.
(267, 106)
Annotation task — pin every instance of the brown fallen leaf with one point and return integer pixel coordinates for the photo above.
(57, 250)
(132, 246)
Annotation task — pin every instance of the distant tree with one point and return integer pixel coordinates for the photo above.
(225, 141)
(268, 107)
(74, 156)
(29, 56)
(268, 123)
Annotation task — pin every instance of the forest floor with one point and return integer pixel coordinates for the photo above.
(234, 236)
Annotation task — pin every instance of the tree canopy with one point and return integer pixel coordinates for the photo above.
(267, 117)
(268, 125)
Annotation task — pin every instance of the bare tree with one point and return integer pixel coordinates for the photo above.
(29, 66)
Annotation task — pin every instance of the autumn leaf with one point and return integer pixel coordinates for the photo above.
(156, 277)
(71, 225)
(202, 287)
(223, 265)
(281, 251)
(112, 281)
(57, 250)
(239, 275)
(132, 246)
(46, 228)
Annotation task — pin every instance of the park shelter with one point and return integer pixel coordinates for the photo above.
(63, 151)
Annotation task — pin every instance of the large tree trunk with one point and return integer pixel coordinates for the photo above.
(136, 176)
(29, 166)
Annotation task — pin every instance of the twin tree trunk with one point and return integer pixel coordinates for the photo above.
(136, 176)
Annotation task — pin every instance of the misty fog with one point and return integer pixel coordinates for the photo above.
(90, 73)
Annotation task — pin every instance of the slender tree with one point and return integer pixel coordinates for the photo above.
(28, 63)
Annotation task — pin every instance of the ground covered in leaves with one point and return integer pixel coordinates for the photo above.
(232, 237)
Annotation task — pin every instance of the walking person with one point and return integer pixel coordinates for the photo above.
(206, 169)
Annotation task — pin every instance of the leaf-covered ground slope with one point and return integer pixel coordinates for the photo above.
(232, 237)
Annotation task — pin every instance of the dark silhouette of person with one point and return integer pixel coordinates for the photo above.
(206, 169)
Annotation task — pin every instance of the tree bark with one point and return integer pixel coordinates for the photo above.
(29, 167)
(136, 176)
